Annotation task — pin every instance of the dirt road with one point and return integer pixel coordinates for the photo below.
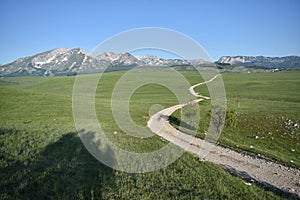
(279, 178)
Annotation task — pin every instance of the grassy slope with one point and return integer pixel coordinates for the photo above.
(42, 156)
(267, 101)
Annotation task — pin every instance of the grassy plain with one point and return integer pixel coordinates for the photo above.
(41, 155)
(267, 106)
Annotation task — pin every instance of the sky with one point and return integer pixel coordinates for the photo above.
(221, 27)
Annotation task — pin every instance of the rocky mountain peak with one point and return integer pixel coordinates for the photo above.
(262, 61)
(63, 61)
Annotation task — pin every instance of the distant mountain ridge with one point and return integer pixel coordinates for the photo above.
(62, 61)
(261, 61)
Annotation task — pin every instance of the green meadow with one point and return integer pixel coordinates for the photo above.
(266, 107)
(42, 157)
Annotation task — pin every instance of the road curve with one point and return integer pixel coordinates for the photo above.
(282, 179)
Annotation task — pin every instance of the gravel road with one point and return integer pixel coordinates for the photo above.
(277, 177)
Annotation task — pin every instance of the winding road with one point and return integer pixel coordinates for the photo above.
(277, 177)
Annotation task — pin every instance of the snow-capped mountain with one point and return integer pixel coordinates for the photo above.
(59, 61)
(62, 61)
(261, 61)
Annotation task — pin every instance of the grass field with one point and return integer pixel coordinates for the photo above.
(41, 155)
(267, 106)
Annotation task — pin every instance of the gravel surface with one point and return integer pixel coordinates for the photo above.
(277, 177)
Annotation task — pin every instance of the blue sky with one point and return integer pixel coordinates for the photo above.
(222, 27)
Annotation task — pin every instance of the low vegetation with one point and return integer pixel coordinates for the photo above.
(41, 155)
(263, 115)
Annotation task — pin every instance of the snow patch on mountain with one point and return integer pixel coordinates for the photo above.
(63, 61)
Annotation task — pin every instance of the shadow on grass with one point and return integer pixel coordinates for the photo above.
(64, 170)
(175, 121)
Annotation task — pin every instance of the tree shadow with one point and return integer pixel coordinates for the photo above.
(175, 121)
(63, 170)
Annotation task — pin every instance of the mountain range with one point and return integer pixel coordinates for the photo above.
(63, 61)
(261, 61)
